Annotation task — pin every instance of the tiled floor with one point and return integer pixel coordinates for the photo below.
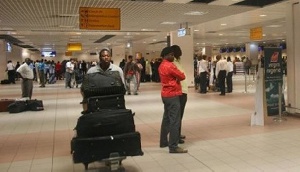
(219, 135)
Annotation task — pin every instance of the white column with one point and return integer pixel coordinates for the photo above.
(3, 59)
(186, 44)
(293, 61)
(252, 52)
(208, 51)
(118, 53)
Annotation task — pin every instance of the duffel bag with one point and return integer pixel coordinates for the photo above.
(35, 105)
(17, 107)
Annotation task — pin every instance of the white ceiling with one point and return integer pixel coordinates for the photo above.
(55, 23)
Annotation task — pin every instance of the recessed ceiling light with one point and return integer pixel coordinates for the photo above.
(196, 13)
(68, 15)
(147, 29)
(20, 36)
(196, 30)
(274, 25)
(262, 15)
(264, 35)
(168, 22)
(66, 26)
(223, 24)
(220, 34)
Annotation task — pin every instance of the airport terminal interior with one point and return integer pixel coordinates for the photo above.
(219, 137)
(220, 133)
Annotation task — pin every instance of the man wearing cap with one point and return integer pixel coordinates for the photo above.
(170, 77)
(26, 73)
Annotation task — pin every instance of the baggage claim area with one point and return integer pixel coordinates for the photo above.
(113, 130)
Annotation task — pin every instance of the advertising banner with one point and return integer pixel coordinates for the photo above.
(273, 78)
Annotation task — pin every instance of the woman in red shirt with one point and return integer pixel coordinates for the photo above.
(170, 77)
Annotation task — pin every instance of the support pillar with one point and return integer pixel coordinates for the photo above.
(293, 51)
(186, 44)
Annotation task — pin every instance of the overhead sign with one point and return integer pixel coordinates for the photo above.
(74, 47)
(181, 32)
(256, 33)
(68, 53)
(99, 18)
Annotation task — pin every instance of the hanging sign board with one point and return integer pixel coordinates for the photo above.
(273, 79)
(74, 47)
(256, 33)
(68, 53)
(99, 18)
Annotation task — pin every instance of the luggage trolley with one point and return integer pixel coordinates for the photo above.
(114, 162)
(106, 135)
(111, 150)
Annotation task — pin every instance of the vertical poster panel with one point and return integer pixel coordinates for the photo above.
(273, 77)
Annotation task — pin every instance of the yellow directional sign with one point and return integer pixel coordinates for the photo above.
(74, 47)
(99, 18)
(256, 33)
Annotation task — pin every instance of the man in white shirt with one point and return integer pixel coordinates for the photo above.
(10, 71)
(202, 72)
(229, 75)
(26, 73)
(221, 68)
(69, 73)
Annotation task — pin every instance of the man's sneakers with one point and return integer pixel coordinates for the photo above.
(178, 150)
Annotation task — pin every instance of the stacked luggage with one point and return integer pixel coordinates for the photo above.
(106, 128)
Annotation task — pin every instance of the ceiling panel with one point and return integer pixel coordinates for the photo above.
(55, 23)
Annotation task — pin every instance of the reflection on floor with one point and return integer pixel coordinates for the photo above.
(217, 128)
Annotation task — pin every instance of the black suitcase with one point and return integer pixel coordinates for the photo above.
(97, 103)
(87, 150)
(105, 122)
(102, 83)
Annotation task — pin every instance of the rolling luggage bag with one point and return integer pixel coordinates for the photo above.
(87, 150)
(97, 103)
(4, 104)
(105, 122)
